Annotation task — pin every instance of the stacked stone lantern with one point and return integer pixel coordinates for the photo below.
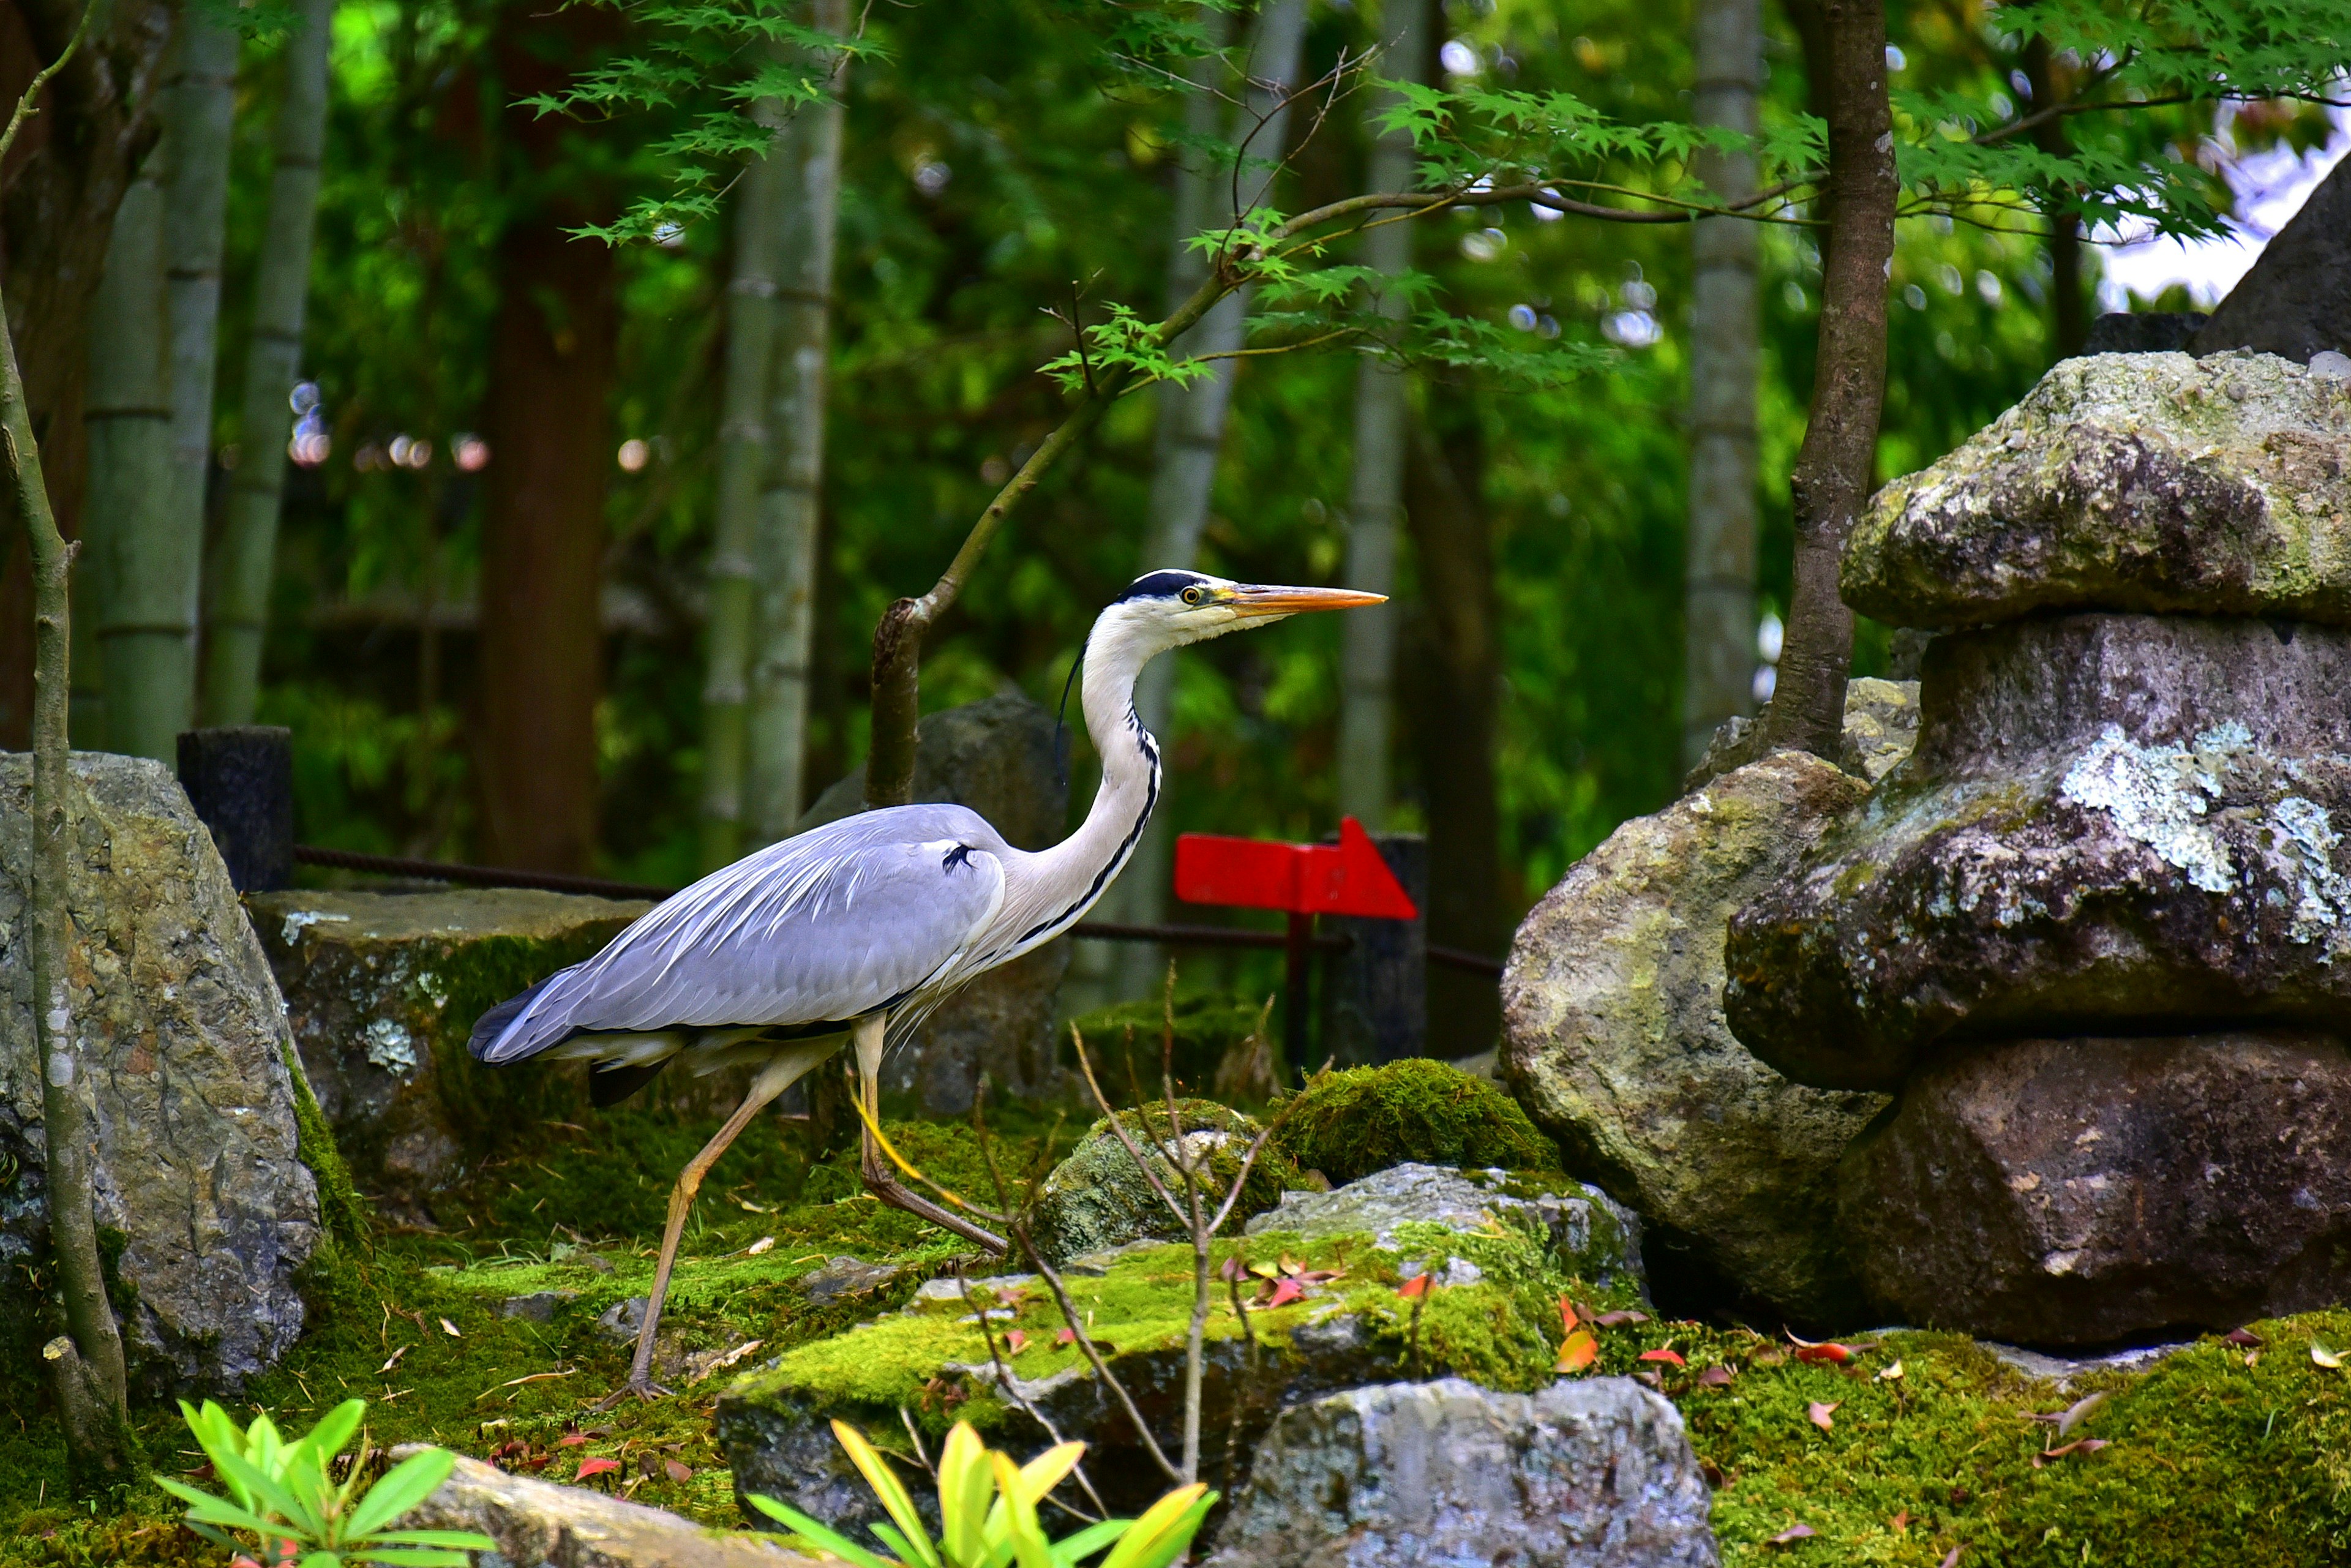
(2095, 932)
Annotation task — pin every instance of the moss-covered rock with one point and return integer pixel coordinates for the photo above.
(1099, 1199)
(383, 990)
(1348, 1124)
(2128, 482)
(1125, 1040)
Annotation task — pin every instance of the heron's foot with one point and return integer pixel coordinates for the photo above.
(643, 1387)
(890, 1190)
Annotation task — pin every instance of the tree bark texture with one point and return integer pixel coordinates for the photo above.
(138, 568)
(2296, 300)
(2069, 306)
(1831, 481)
(1452, 684)
(59, 187)
(199, 115)
(1192, 418)
(1375, 494)
(237, 614)
(784, 548)
(550, 428)
(99, 1448)
(1726, 361)
(744, 448)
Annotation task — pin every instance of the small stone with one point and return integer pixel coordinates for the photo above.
(952, 1290)
(1588, 1232)
(2144, 482)
(2068, 1191)
(538, 1307)
(2333, 366)
(1613, 1036)
(623, 1321)
(1596, 1473)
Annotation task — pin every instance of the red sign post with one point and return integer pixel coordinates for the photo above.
(1302, 881)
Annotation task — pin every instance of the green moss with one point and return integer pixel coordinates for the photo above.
(1349, 1125)
(1125, 1042)
(342, 1212)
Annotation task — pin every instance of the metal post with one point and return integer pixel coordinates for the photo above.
(240, 780)
(1298, 950)
(1376, 992)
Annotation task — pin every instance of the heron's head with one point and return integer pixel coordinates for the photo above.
(1169, 609)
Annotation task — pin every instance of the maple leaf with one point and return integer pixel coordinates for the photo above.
(1665, 1354)
(1015, 1341)
(596, 1467)
(1566, 1315)
(1818, 1414)
(1578, 1351)
(1415, 1286)
(1284, 1292)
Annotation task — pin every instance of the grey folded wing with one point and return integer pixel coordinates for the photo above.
(842, 921)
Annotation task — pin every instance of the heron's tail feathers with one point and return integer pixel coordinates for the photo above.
(490, 1029)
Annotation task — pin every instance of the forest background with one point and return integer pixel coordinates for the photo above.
(474, 377)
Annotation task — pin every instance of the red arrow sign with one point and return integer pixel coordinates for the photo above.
(1345, 878)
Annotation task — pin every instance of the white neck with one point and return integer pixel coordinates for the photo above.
(1048, 892)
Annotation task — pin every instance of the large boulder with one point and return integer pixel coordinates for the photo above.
(382, 989)
(1098, 1197)
(1615, 1040)
(2111, 822)
(183, 1042)
(2067, 1192)
(1594, 1474)
(997, 757)
(2134, 482)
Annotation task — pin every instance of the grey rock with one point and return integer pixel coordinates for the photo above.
(843, 1277)
(1590, 1474)
(2064, 1371)
(1615, 1041)
(2111, 822)
(1098, 1197)
(538, 1307)
(538, 1524)
(1587, 1233)
(624, 1320)
(2079, 1192)
(2296, 299)
(952, 1290)
(382, 989)
(1880, 719)
(2145, 331)
(2332, 365)
(995, 756)
(182, 1039)
(2126, 482)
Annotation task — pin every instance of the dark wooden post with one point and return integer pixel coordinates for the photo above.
(1376, 991)
(240, 780)
(1297, 969)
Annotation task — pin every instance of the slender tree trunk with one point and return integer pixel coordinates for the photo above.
(1376, 500)
(86, 1364)
(2069, 306)
(1192, 418)
(237, 614)
(743, 459)
(63, 179)
(540, 654)
(1726, 358)
(784, 551)
(1453, 683)
(1831, 481)
(136, 567)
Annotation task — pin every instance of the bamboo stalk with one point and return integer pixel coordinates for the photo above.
(1375, 499)
(91, 1369)
(237, 614)
(784, 554)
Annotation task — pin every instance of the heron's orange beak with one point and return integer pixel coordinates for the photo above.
(1257, 600)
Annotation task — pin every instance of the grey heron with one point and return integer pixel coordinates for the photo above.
(852, 931)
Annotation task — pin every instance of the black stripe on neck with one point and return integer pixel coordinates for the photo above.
(1150, 749)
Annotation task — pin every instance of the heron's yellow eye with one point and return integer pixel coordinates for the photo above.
(1193, 596)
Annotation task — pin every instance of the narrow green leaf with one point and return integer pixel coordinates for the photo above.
(405, 1486)
(816, 1535)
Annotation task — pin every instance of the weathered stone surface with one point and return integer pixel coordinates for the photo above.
(2129, 482)
(1880, 718)
(1591, 1235)
(995, 756)
(1613, 1036)
(1099, 1199)
(2296, 299)
(538, 1524)
(842, 1277)
(1592, 1474)
(181, 1037)
(382, 989)
(2111, 821)
(2082, 1191)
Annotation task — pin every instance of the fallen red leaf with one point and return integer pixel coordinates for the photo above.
(1016, 1340)
(1232, 1269)
(1818, 1414)
(1715, 1377)
(678, 1472)
(1287, 1291)
(1067, 1336)
(1794, 1532)
(1566, 1315)
(596, 1467)
(1665, 1354)
(2245, 1337)
(1578, 1351)
(1832, 1355)
(1415, 1286)
(2078, 1446)
(570, 1440)
(1951, 1559)
(1900, 1521)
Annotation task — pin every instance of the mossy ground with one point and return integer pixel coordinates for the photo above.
(2211, 1462)
(1351, 1123)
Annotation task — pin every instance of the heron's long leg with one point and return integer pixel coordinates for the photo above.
(869, 1035)
(785, 1069)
